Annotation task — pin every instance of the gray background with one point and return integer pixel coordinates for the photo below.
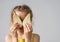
(46, 20)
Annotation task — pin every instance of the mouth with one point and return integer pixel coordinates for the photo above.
(21, 28)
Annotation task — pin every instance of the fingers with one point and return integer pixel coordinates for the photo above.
(14, 27)
(27, 28)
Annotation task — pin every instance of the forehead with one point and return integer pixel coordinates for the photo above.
(21, 14)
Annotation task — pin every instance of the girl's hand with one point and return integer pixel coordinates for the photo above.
(13, 29)
(28, 31)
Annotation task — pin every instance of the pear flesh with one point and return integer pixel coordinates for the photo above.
(17, 19)
(27, 19)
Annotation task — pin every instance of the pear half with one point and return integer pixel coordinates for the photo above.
(17, 19)
(27, 19)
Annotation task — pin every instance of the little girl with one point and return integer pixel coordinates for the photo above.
(20, 33)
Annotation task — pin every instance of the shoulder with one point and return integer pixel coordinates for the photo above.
(36, 37)
(8, 37)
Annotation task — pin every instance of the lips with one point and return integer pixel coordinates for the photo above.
(21, 28)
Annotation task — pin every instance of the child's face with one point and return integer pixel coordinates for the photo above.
(21, 14)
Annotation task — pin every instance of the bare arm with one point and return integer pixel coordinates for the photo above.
(8, 38)
(12, 36)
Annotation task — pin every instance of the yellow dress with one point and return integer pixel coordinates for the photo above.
(23, 40)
